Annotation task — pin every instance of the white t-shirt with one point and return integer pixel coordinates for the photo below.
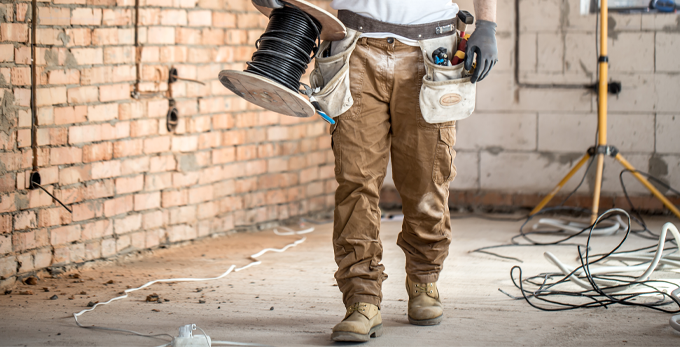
(399, 12)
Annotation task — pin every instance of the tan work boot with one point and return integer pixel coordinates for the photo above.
(361, 322)
(424, 306)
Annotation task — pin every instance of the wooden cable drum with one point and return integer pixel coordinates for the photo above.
(292, 38)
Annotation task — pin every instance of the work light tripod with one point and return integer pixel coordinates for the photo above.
(602, 149)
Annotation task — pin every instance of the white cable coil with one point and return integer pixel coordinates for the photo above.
(654, 259)
(231, 268)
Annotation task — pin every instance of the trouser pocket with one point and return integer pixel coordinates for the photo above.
(330, 77)
(443, 170)
(335, 146)
(446, 93)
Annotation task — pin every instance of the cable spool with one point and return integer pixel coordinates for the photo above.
(272, 78)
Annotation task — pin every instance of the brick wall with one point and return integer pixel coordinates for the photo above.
(130, 182)
(523, 140)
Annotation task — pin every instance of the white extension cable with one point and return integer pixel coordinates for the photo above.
(186, 337)
(571, 227)
(654, 259)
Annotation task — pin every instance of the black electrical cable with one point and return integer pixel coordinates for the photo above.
(288, 45)
(598, 295)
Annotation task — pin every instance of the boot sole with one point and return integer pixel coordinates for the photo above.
(347, 336)
(431, 321)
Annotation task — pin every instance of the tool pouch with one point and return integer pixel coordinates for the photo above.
(330, 77)
(446, 93)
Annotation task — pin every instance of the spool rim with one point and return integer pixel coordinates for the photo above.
(250, 82)
(332, 29)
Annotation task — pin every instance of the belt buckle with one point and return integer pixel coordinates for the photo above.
(444, 29)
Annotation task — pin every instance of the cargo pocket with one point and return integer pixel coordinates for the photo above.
(443, 170)
(335, 146)
(446, 93)
(330, 77)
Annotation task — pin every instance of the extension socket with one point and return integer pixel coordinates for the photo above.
(186, 338)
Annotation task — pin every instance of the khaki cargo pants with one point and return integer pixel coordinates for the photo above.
(385, 119)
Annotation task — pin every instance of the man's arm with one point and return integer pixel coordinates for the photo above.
(482, 42)
(485, 10)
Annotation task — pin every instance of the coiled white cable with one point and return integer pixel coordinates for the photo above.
(616, 269)
(233, 268)
(576, 228)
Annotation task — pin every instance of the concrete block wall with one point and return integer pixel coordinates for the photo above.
(523, 140)
(130, 182)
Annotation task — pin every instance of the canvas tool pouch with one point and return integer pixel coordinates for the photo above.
(446, 93)
(330, 77)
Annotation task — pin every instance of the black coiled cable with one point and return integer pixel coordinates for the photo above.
(287, 46)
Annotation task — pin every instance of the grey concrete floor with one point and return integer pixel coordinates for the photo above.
(291, 300)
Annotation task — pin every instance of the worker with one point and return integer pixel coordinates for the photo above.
(385, 73)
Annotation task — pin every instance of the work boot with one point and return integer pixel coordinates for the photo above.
(361, 322)
(424, 306)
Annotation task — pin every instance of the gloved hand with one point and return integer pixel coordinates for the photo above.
(268, 3)
(483, 42)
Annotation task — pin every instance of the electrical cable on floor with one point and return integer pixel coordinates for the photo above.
(232, 268)
(602, 285)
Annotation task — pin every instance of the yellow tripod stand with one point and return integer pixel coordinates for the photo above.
(602, 148)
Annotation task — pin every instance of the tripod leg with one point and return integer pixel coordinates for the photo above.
(648, 185)
(598, 187)
(559, 186)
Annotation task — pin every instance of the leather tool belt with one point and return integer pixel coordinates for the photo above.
(425, 31)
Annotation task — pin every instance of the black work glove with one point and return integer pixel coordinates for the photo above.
(483, 42)
(268, 3)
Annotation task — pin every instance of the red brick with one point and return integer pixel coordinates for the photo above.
(119, 55)
(66, 234)
(96, 230)
(185, 214)
(6, 53)
(108, 247)
(156, 144)
(79, 36)
(127, 148)
(174, 198)
(87, 210)
(158, 181)
(82, 95)
(50, 96)
(29, 240)
(5, 223)
(161, 35)
(162, 163)
(51, 136)
(65, 155)
(102, 113)
(53, 216)
(152, 220)
(212, 36)
(117, 17)
(209, 140)
(126, 185)
(70, 115)
(88, 56)
(105, 169)
(180, 179)
(118, 206)
(200, 18)
(97, 152)
(70, 76)
(143, 127)
(114, 92)
(127, 224)
(174, 17)
(14, 32)
(188, 36)
(86, 16)
(147, 201)
(200, 194)
(135, 165)
(223, 20)
(54, 16)
(21, 76)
